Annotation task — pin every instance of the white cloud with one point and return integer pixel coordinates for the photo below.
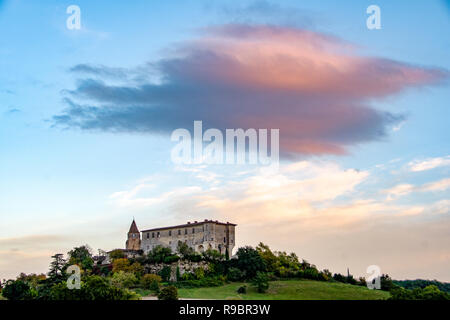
(429, 163)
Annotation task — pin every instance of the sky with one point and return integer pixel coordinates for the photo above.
(86, 117)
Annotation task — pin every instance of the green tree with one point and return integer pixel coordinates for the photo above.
(250, 261)
(81, 256)
(261, 282)
(121, 265)
(116, 254)
(18, 290)
(57, 269)
(123, 280)
(151, 281)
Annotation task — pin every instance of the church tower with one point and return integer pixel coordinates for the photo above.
(134, 238)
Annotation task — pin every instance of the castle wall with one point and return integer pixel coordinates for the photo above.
(199, 236)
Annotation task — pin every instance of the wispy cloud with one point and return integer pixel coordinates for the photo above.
(428, 164)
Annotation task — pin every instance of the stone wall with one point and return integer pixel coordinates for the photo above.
(183, 265)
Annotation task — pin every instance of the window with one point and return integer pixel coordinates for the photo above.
(148, 235)
(158, 235)
(193, 230)
(224, 239)
(179, 232)
(170, 233)
(153, 234)
(185, 231)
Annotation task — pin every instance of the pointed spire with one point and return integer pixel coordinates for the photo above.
(133, 227)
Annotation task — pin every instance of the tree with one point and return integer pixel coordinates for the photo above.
(250, 261)
(81, 256)
(184, 250)
(261, 282)
(121, 265)
(151, 281)
(213, 255)
(268, 256)
(57, 269)
(18, 290)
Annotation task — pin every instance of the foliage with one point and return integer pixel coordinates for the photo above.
(161, 254)
(250, 261)
(261, 282)
(235, 274)
(184, 250)
(419, 283)
(81, 256)
(18, 290)
(123, 280)
(165, 273)
(57, 269)
(386, 282)
(151, 281)
(430, 292)
(32, 279)
(168, 293)
(199, 273)
(121, 264)
(137, 269)
(213, 255)
(242, 289)
(116, 254)
(214, 281)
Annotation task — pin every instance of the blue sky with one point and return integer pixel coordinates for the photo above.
(63, 186)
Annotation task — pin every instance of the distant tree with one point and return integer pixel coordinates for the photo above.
(184, 250)
(57, 269)
(386, 282)
(250, 261)
(158, 254)
(151, 281)
(137, 269)
(32, 279)
(81, 256)
(213, 255)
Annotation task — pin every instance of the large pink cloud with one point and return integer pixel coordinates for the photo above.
(314, 87)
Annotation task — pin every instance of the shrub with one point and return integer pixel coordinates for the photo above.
(116, 254)
(168, 293)
(18, 290)
(199, 273)
(123, 280)
(172, 258)
(165, 273)
(242, 290)
(151, 281)
(158, 254)
(235, 274)
(121, 264)
(261, 282)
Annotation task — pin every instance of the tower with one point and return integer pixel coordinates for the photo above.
(134, 238)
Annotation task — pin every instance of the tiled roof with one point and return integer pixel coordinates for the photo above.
(190, 224)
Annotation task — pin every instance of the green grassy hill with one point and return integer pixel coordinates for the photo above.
(288, 290)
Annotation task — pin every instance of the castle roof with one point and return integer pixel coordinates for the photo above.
(190, 224)
(133, 228)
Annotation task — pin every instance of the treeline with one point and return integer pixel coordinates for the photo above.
(419, 283)
(127, 278)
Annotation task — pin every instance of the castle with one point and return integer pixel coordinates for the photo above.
(200, 236)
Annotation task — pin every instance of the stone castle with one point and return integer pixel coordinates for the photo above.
(200, 236)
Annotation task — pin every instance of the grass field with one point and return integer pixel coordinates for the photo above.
(287, 290)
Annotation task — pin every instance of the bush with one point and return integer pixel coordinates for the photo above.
(18, 290)
(216, 281)
(168, 293)
(151, 281)
(123, 280)
(199, 273)
(242, 290)
(165, 273)
(261, 282)
(235, 274)
(159, 254)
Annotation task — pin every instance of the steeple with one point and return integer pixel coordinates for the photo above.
(133, 227)
(134, 237)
